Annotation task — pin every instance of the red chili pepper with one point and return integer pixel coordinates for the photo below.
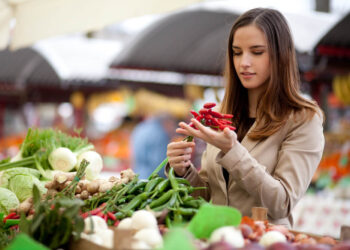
(116, 223)
(199, 118)
(231, 127)
(191, 124)
(225, 122)
(203, 111)
(194, 113)
(111, 216)
(103, 205)
(215, 122)
(209, 105)
(222, 127)
(215, 114)
(208, 116)
(9, 216)
(227, 116)
(105, 217)
(85, 215)
(95, 211)
(100, 214)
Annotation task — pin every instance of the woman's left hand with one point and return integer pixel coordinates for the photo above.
(223, 140)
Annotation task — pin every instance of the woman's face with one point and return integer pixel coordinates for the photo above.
(251, 56)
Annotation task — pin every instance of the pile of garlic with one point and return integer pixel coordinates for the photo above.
(147, 235)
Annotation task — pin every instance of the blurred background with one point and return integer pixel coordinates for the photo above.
(126, 72)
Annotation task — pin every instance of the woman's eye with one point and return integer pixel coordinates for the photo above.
(237, 53)
(258, 52)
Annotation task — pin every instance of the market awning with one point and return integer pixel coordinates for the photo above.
(336, 42)
(186, 42)
(52, 69)
(194, 42)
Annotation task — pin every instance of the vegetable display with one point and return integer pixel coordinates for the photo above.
(47, 150)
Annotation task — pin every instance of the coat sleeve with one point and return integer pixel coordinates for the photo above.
(197, 178)
(298, 158)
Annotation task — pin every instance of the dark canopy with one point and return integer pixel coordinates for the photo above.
(186, 42)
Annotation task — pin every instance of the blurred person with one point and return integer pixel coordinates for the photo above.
(270, 160)
(149, 140)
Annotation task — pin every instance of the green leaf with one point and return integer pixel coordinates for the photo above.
(178, 238)
(210, 217)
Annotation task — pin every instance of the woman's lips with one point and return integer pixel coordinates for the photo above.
(247, 75)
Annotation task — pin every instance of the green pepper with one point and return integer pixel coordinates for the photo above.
(177, 218)
(161, 200)
(168, 221)
(187, 211)
(152, 184)
(136, 201)
(145, 203)
(173, 180)
(193, 203)
(183, 181)
(138, 186)
(169, 204)
(161, 187)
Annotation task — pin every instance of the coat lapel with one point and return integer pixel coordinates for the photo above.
(248, 143)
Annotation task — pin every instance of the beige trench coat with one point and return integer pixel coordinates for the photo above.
(272, 173)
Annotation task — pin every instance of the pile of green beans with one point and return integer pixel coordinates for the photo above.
(172, 194)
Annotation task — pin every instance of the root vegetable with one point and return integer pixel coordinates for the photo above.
(66, 184)
(78, 190)
(84, 195)
(125, 223)
(112, 179)
(229, 234)
(272, 237)
(51, 192)
(62, 159)
(83, 184)
(127, 174)
(95, 164)
(150, 236)
(78, 196)
(24, 207)
(143, 219)
(94, 224)
(93, 187)
(104, 187)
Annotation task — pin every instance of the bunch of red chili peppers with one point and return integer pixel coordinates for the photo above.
(211, 118)
(109, 217)
(11, 220)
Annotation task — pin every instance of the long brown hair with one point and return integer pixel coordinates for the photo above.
(282, 94)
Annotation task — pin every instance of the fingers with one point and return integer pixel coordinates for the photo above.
(181, 145)
(177, 152)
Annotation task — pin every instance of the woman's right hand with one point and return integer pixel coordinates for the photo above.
(179, 156)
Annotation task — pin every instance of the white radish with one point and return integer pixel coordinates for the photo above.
(62, 159)
(143, 219)
(95, 164)
(272, 237)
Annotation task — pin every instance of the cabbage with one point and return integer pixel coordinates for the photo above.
(8, 200)
(22, 186)
(21, 181)
(9, 173)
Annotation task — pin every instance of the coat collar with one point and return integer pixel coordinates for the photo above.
(248, 143)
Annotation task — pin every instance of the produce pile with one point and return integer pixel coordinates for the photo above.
(52, 193)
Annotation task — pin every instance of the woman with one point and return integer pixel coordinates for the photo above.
(279, 142)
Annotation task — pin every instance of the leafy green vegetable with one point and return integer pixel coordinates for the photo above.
(38, 144)
(8, 200)
(21, 181)
(55, 222)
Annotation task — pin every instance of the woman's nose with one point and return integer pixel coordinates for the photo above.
(246, 61)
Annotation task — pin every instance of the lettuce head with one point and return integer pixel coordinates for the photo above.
(8, 200)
